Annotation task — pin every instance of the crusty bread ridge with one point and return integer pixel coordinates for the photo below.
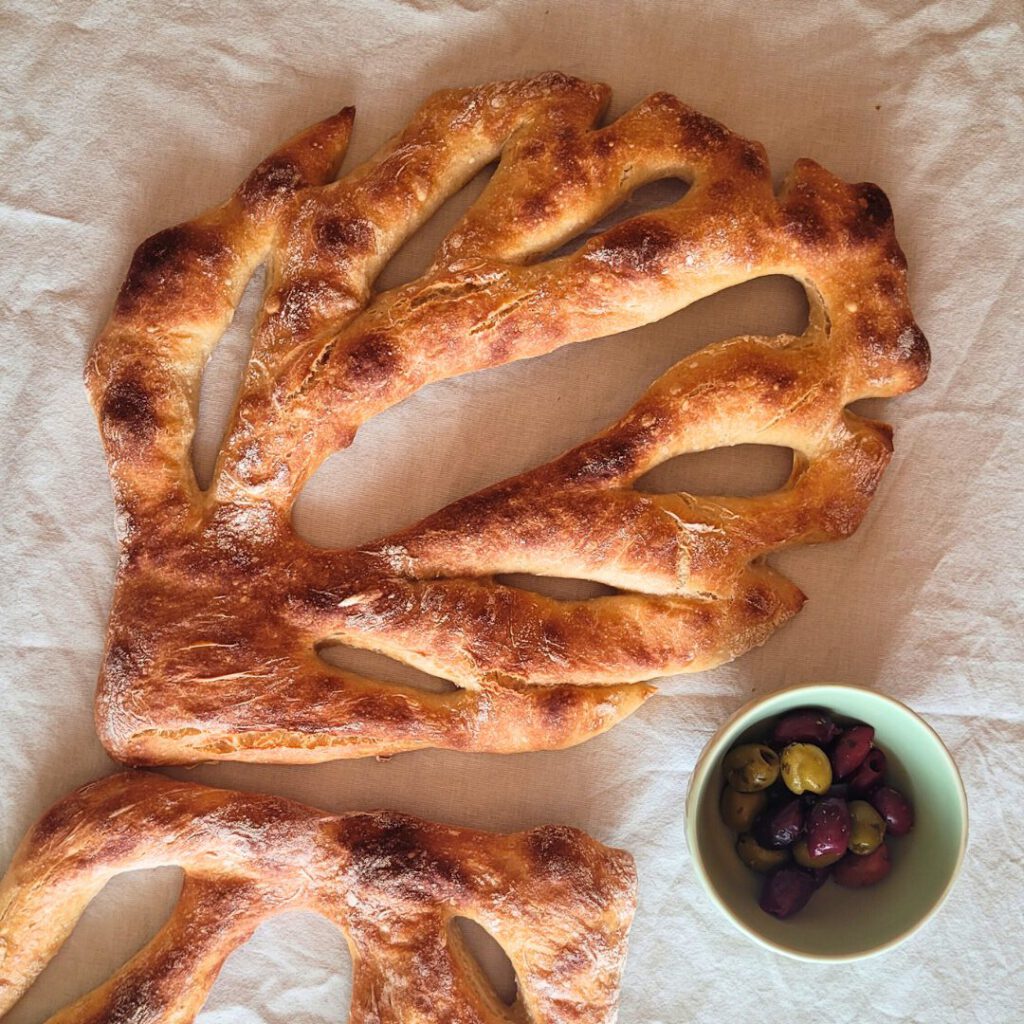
(557, 901)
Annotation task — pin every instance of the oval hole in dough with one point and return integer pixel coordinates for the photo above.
(558, 587)
(381, 668)
(456, 436)
(488, 955)
(123, 917)
(744, 470)
(296, 967)
(652, 196)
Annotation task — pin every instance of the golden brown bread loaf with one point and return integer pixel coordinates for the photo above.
(558, 902)
(220, 610)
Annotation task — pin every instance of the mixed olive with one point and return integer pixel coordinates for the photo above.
(809, 804)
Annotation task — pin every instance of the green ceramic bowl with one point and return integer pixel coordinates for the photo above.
(839, 924)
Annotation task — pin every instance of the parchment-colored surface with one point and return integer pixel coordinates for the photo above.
(120, 119)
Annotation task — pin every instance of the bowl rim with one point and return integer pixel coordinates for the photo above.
(699, 776)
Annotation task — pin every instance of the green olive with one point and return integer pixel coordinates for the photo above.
(867, 828)
(751, 767)
(740, 809)
(806, 768)
(757, 857)
(803, 857)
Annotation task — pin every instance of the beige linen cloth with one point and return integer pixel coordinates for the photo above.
(122, 118)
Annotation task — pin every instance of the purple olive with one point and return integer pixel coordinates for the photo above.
(895, 810)
(781, 826)
(828, 827)
(839, 789)
(805, 726)
(786, 891)
(870, 773)
(821, 875)
(850, 749)
(856, 872)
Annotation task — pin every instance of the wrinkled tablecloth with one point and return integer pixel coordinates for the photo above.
(122, 118)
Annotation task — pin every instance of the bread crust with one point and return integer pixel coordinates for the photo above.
(220, 609)
(558, 902)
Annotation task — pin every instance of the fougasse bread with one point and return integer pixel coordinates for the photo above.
(221, 611)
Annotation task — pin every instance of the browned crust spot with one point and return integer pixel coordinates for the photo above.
(804, 221)
(276, 178)
(167, 262)
(128, 413)
(345, 234)
(703, 132)
(372, 360)
(636, 248)
(389, 854)
(872, 213)
(754, 159)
